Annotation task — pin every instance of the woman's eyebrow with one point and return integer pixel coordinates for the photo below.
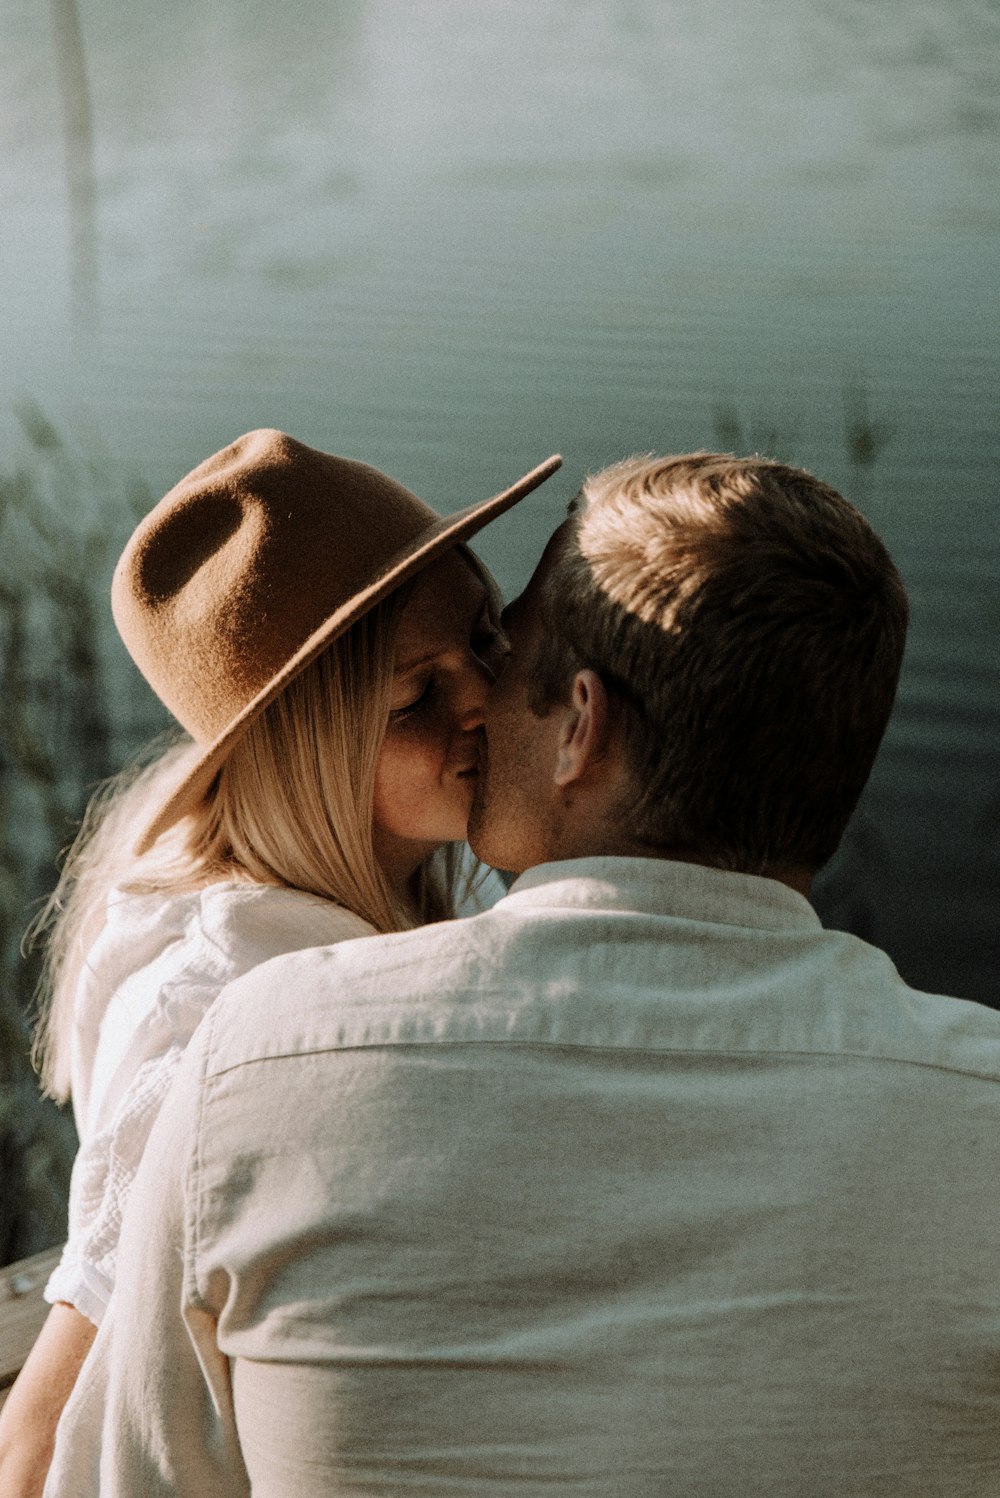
(403, 668)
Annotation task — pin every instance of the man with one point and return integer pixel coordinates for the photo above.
(640, 1183)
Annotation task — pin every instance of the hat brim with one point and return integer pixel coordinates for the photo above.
(448, 531)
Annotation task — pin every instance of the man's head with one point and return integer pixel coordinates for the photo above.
(703, 667)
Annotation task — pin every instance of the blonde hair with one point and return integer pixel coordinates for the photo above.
(291, 806)
(750, 625)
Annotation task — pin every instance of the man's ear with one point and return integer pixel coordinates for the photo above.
(583, 738)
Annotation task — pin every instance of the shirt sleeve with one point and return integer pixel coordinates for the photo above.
(232, 935)
(103, 1173)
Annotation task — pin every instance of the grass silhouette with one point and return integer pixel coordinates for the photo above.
(70, 714)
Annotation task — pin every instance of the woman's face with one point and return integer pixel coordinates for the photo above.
(447, 652)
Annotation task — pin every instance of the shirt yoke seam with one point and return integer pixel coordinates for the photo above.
(721, 1053)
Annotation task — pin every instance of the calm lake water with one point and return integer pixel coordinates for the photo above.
(451, 239)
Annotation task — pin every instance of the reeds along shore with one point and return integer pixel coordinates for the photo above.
(71, 711)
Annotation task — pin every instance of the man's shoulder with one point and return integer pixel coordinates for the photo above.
(374, 990)
(567, 965)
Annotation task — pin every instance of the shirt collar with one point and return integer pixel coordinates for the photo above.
(662, 886)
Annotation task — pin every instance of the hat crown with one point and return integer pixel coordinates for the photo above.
(228, 577)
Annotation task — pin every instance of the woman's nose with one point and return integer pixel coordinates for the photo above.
(478, 677)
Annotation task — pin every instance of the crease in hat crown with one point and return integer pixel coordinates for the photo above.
(255, 562)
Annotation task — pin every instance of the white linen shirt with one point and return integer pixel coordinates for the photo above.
(146, 984)
(639, 1184)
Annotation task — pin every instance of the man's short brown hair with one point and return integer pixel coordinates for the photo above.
(750, 624)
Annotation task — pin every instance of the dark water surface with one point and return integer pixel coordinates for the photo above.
(451, 239)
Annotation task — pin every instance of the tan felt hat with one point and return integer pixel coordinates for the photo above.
(252, 565)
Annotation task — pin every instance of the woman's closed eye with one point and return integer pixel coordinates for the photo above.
(422, 694)
(488, 645)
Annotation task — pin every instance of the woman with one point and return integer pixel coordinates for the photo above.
(327, 641)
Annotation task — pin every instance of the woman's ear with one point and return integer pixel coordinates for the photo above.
(583, 738)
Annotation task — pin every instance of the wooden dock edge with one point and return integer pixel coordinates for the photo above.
(22, 1311)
